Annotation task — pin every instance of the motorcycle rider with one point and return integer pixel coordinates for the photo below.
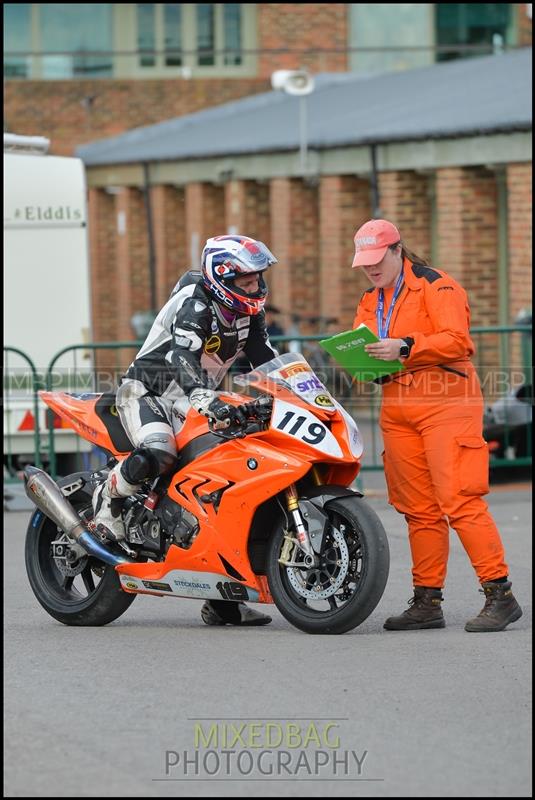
(196, 337)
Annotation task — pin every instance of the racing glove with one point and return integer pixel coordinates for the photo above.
(207, 403)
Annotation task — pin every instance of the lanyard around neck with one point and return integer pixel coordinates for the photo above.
(382, 324)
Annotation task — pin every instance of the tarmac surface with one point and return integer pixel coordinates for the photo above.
(133, 709)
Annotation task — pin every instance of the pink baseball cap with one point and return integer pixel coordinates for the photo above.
(372, 241)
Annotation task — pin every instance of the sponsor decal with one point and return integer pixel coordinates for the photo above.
(183, 341)
(113, 411)
(443, 288)
(153, 405)
(131, 585)
(323, 400)
(309, 384)
(230, 590)
(188, 369)
(365, 240)
(221, 296)
(82, 395)
(183, 584)
(49, 213)
(158, 586)
(293, 369)
(36, 519)
(212, 345)
(84, 429)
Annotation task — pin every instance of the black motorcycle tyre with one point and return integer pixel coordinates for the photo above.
(371, 585)
(103, 605)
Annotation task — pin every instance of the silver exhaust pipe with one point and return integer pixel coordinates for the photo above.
(48, 497)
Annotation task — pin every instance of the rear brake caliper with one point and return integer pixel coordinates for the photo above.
(68, 556)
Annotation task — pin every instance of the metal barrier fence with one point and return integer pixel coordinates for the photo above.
(503, 360)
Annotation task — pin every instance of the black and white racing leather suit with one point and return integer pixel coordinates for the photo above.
(191, 344)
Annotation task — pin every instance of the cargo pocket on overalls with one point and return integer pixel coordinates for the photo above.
(472, 465)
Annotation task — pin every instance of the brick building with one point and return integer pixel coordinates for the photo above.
(453, 171)
(462, 198)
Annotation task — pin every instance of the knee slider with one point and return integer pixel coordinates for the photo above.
(141, 465)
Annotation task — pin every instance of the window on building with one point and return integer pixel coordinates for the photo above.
(59, 40)
(17, 39)
(69, 40)
(173, 34)
(232, 33)
(472, 24)
(388, 36)
(146, 38)
(203, 35)
(76, 39)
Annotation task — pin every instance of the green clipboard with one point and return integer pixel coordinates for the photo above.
(347, 349)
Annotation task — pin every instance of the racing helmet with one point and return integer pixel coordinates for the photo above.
(225, 258)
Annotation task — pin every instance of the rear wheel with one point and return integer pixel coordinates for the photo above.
(72, 586)
(339, 592)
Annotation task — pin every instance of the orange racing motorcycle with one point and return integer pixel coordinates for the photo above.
(258, 512)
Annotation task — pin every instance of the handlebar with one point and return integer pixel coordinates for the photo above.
(258, 413)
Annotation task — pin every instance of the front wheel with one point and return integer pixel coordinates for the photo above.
(341, 591)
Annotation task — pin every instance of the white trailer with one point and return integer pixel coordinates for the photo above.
(46, 282)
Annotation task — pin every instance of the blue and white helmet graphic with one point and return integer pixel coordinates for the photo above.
(225, 258)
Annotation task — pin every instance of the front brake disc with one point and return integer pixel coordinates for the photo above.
(320, 582)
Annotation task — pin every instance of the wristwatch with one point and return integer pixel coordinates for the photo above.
(405, 349)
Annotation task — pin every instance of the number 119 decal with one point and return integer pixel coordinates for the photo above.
(303, 425)
(315, 431)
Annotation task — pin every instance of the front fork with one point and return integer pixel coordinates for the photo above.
(303, 539)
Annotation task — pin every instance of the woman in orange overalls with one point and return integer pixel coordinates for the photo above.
(435, 457)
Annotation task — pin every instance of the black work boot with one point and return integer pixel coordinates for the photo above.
(500, 609)
(424, 612)
(223, 612)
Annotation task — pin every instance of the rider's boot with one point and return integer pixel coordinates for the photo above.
(108, 500)
(224, 612)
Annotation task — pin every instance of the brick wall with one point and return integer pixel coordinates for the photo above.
(467, 233)
(172, 257)
(247, 209)
(302, 27)
(57, 109)
(467, 247)
(133, 289)
(102, 275)
(344, 207)
(294, 240)
(205, 217)
(405, 201)
(524, 25)
(520, 237)
(520, 221)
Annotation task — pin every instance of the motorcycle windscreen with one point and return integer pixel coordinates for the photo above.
(292, 372)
